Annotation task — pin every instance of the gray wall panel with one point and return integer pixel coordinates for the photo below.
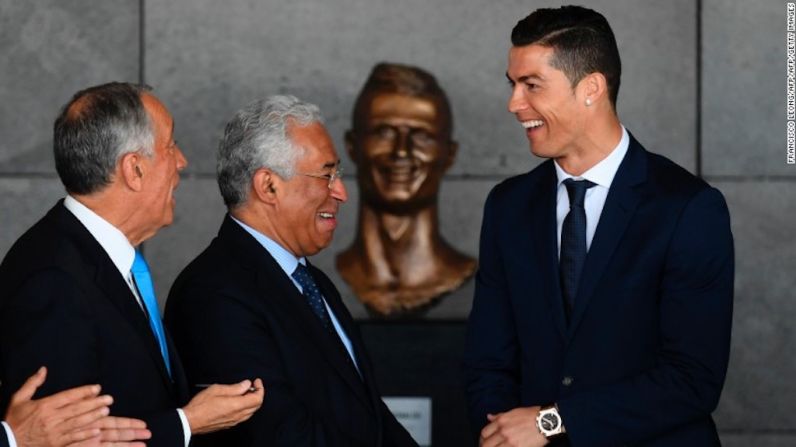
(207, 59)
(23, 202)
(758, 440)
(51, 49)
(760, 389)
(743, 82)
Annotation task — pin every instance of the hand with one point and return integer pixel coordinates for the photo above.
(75, 417)
(223, 406)
(515, 428)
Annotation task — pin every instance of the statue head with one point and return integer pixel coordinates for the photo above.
(401, 139)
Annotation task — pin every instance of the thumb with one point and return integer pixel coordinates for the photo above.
(28, 389)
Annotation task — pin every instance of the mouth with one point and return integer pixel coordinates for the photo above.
(532, 124)
(328, 220)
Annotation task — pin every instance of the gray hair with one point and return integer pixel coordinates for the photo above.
(255, 138)
(97, 127)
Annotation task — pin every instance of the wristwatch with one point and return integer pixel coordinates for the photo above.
(549, 422)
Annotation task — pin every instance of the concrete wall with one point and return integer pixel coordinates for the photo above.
(703, 83)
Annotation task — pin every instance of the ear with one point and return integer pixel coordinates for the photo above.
(264, 186)
(131, 169)
(349, 138)
(593, 88)
(453, 148)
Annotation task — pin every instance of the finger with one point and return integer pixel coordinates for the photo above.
(125, 434)
(85, 420)
(78, 436)
(235, 389)
(28, 389)
(489, 430)
(123, 444)
(84, 406)
(72, 395)
(112, 422)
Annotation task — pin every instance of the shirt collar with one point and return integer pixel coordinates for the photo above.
(113, 241)
(603, 172)
(286, 260)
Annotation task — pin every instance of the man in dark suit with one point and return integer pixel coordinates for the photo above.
(603, 303)
(251, 304)
(77, 296)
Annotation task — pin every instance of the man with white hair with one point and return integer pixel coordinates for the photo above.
(77, 296)
(251, 303)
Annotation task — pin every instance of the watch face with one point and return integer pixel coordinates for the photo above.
(549, 421)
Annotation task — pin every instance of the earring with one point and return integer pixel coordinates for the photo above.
(588, 102)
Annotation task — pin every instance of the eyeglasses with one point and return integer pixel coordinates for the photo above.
(336, 174)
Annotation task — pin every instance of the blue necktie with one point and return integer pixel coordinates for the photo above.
(143, 282)
(573, 241)
(313, 296)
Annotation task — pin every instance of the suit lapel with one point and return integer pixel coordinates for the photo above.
(620, 205)
(332, 297)
(542, 215)
(110, 282)
(288, 301)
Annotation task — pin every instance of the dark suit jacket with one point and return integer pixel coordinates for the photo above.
(3, 438)
(644, 358)
(65, 305)
(235, 315)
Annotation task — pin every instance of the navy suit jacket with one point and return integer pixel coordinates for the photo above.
(236, 315)
(64, 305)
(644, 358)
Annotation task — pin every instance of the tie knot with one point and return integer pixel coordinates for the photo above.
(302, 275)
(139, 264)
(576, 189)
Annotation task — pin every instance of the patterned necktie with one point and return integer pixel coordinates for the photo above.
(143, 282)
(315, 300)
(313, 296)
(573, 241)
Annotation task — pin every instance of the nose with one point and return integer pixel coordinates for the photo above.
(401, 144)
(338, 191)
(517, 100)
(182, 162)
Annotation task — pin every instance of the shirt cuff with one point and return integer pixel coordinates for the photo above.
(186, 429)
(12, 442)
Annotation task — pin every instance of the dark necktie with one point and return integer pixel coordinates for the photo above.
(573, 241)
(146, 291)
(315, 300)
(313, 296)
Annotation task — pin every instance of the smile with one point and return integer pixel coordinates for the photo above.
(532, 124)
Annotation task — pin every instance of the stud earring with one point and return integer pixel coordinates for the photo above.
(588, 102)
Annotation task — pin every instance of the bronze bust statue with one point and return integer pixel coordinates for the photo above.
(401, 144)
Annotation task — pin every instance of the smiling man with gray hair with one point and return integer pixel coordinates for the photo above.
(252, 305)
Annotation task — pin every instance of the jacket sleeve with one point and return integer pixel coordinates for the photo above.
(684, 385)
(491, 356)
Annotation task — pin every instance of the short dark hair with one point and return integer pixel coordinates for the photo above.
(404, 80)
(94, 129)
(582, 41)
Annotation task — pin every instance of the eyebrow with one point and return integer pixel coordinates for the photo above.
(527, 77)
(332, 164)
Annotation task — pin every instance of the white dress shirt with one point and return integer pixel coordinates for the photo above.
(12, 441)
(122, 254)
(288, 262)
(602, 175)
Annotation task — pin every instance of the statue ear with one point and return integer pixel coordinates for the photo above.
(453, 148)
(349, 138)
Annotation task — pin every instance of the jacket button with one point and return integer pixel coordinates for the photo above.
(566, 381)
